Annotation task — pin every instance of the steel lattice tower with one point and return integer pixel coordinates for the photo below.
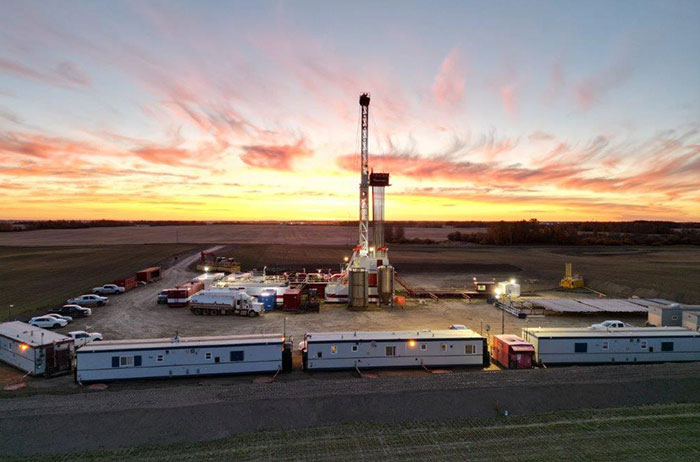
(364, 180)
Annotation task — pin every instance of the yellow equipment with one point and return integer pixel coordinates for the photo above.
(571, 281)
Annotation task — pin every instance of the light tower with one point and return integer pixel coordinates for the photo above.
(364, 176)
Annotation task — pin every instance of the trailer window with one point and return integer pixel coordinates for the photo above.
(126, 361)
(159, 358)
(391, 351)
(237, 356)
(469, 349)
(354, 348)
(207, 355)
(334, 349)
(423, 346)
(581, 347)
(605, 345)
(666, 346)
(644, 344)
(443, 347)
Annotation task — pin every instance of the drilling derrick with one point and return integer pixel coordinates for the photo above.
(367, 277)
(364, 179)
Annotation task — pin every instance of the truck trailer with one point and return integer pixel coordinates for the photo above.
(417, 348)
(181, 357)
(619, 345)
(215, 302)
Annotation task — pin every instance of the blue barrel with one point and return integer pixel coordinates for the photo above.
(269, 299)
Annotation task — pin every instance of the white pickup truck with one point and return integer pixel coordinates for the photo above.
(108, 289)
(80, 337)
(88, 300)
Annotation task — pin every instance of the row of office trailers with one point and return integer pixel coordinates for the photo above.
(620, 345)
(182, 357)
(423, 348)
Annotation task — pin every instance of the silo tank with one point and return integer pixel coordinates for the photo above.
(358, 293)
(385, 285)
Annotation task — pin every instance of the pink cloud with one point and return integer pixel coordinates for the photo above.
(72, 73)
(275, 157)
(449, 82)
(509, 98)
(592, 89)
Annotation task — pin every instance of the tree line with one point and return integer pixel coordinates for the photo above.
(588, 233)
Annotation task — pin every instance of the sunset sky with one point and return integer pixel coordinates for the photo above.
(249, 110)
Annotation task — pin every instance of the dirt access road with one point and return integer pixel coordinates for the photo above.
(215, 409)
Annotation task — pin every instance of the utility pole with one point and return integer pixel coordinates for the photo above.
(503, 320)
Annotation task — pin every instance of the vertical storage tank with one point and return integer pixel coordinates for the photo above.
(358, 288)
(385, 286)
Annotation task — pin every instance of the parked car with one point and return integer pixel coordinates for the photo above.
(108, 289)
(75, 311)
(610, 325)
(162, 297)
(81, 337)
(458, 327)
(47, 322)
(60, 316)
(88, 299)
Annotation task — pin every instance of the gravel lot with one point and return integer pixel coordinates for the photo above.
(136, 314)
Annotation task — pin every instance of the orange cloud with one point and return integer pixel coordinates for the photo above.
(280, 157)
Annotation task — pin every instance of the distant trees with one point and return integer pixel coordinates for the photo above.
(627, 233)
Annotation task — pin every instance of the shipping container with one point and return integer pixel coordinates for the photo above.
(422, 348)
(292, 300)
(619, 345)
(35, 350)
(149, 274)
(691, 320)
(127, 283)
(512, 352)
(665, 315)
(180, 357)
(180, 295)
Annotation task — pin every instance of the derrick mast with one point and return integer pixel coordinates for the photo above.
(364, 176)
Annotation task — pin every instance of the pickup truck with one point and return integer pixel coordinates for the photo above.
(88, 299)
(108, 289)
(74, 311)
(80, 337)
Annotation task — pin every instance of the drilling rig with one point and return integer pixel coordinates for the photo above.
(367, 277)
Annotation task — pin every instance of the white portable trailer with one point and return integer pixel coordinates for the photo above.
(619, 345)
(35, 350)
(179, 357)
(429, 348)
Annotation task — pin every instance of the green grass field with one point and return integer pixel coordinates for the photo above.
(660, 432)
(32, 278)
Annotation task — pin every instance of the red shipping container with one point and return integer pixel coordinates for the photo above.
(127, 283)
(512, 352)
(149, 274)
(180, 295)
(292, 299)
